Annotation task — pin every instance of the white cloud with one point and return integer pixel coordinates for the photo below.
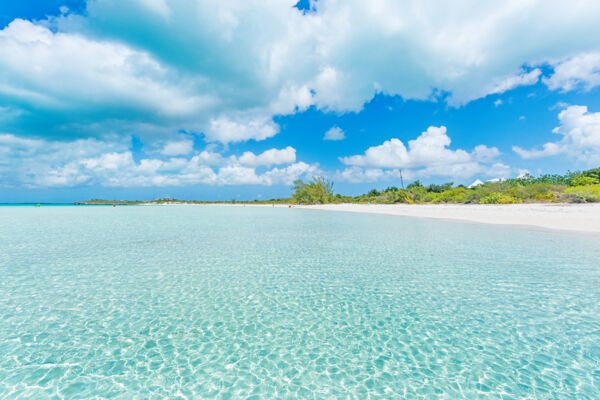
(476, 51)
(269, 157)
(69, 73)
(178, 148)
(465, 170)
(427, 155)
(580, 71)
(431, 147)
(227, 130)
(498, 102)
(159, 7)
(61, 71)
(240, 175)
(334, 133)
(41, 163)
(225, 69)
(521, 79)
(24, 160)
(357, 175)
(548, 149)
(208, 158)
(580, 131)
(290, 173)
(461, 171)
(110, 161)
(484, 153)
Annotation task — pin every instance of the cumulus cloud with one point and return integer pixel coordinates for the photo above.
(63, 71)
(484, 153)
(290, 173)
(334, 133)
(225, 69)
(427, 155)
(241, 175)
(22, 159)
(269, 157)
(548, 149)
(429, 148)
(580, 71)
(44, 163)
(358, 175)
(521, 79)
(226, 130)
(580, 131)
(178, 148)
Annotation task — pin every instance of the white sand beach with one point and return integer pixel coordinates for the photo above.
(568, 217)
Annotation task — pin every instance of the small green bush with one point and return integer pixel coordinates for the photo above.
(453, 195)
(583, 194)
(498, 198)
(535, 192)
(583, 180)
(319, 190)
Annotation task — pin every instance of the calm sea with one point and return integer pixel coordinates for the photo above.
(250, 302)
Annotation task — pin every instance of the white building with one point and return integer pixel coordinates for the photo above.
(476, 183)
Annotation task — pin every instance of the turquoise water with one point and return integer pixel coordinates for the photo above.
(246, 302)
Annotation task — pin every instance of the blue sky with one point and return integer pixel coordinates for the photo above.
(234, 100)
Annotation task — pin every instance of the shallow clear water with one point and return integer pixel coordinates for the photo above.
(245, 302)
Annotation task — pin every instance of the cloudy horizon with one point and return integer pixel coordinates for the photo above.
(201, 100)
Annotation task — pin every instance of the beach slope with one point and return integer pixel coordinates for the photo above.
(567, 217)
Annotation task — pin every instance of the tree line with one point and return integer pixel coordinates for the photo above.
(573, 187)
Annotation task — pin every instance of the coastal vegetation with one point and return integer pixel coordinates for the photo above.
(110, 202)
(319, 190)
(573, 187)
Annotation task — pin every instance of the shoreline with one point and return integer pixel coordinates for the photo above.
(583, 218)
(564, 217)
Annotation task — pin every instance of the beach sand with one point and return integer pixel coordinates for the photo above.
(567, 217)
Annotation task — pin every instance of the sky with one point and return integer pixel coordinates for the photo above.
(194, 99)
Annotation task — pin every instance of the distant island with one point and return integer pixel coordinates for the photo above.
(572, 187)
(166, 201)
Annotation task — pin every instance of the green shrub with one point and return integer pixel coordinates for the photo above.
(583, 180)
(417, 194)
(439, 188)
(536, 192)
(548, 179)
(453, 195)
(415, 184)
(498, 198)
(583, 194)
(593, 173)
(320, 190)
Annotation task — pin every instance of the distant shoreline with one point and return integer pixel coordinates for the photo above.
(570, 217)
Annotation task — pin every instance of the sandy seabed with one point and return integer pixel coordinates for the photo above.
(568, 217)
